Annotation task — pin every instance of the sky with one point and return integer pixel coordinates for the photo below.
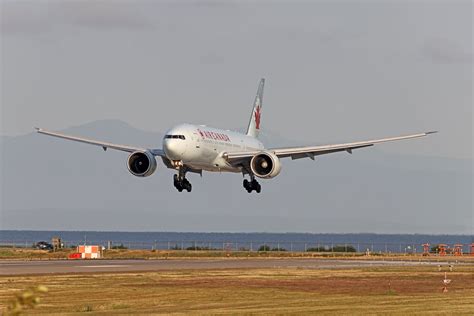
(335, 70)
(343, 70)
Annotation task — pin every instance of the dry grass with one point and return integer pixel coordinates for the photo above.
(255, 291)
(32, 254)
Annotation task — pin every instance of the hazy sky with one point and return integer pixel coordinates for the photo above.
(336, 70)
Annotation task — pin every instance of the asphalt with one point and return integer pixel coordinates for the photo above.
(14, 267)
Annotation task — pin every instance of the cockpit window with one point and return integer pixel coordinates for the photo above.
(175, 136)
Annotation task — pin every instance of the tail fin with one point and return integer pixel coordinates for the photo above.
(254, 124)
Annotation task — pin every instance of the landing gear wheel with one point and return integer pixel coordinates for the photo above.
(182, 184)
(187, 185)
(256, 186)
(252, 185)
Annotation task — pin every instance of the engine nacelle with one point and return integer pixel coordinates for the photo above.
(141, 164)
(265, 165)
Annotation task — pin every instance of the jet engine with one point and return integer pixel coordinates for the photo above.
(141, 164)
(265, 165)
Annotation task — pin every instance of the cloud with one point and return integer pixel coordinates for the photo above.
(103, 14)
(444, 51)
(37, 17)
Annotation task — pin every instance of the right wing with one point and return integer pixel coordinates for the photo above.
(104, 145)
(311, 151)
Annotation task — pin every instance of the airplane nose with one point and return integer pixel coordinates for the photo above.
(173, 149)
(170, 148)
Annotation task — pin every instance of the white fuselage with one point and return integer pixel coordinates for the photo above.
(202, 147)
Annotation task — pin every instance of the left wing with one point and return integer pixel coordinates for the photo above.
(104, 145)
(311, 151)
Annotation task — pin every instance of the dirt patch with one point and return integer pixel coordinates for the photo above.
(327, 286)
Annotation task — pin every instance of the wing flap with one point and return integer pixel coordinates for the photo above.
(311, 151)
(311, 154)
(297, 152)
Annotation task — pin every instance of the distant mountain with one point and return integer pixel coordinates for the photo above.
(117, 131)
(49, 183)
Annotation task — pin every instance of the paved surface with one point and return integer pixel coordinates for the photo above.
(88, 266)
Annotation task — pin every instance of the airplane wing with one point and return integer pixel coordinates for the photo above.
(311, 151)
(104, 145)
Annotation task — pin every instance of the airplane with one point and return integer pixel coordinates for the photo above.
(197, 148)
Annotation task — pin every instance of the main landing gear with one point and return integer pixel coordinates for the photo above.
(252, 185)
(181, 183)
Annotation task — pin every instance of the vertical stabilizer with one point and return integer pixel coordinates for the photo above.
(254, 124)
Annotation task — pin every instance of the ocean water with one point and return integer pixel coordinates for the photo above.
(237, 241)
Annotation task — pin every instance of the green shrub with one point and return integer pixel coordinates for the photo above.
(121, 246)
(337, 248)
(317, 249)
(343, 248)
(29, 298)
(278, 249)
(198, 248)
(264, 248)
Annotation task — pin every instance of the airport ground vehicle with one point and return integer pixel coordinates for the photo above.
(43, 245)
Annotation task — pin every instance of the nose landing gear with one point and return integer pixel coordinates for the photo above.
(252, 185)
(181, 183)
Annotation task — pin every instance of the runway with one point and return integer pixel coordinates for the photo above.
(14, 267)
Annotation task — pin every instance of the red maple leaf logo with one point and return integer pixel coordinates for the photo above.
(257, 117)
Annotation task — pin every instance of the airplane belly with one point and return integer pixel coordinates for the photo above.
(212, 168)
(209, 160)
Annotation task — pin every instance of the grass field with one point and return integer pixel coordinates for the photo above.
(365, 291)
(33, 254)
